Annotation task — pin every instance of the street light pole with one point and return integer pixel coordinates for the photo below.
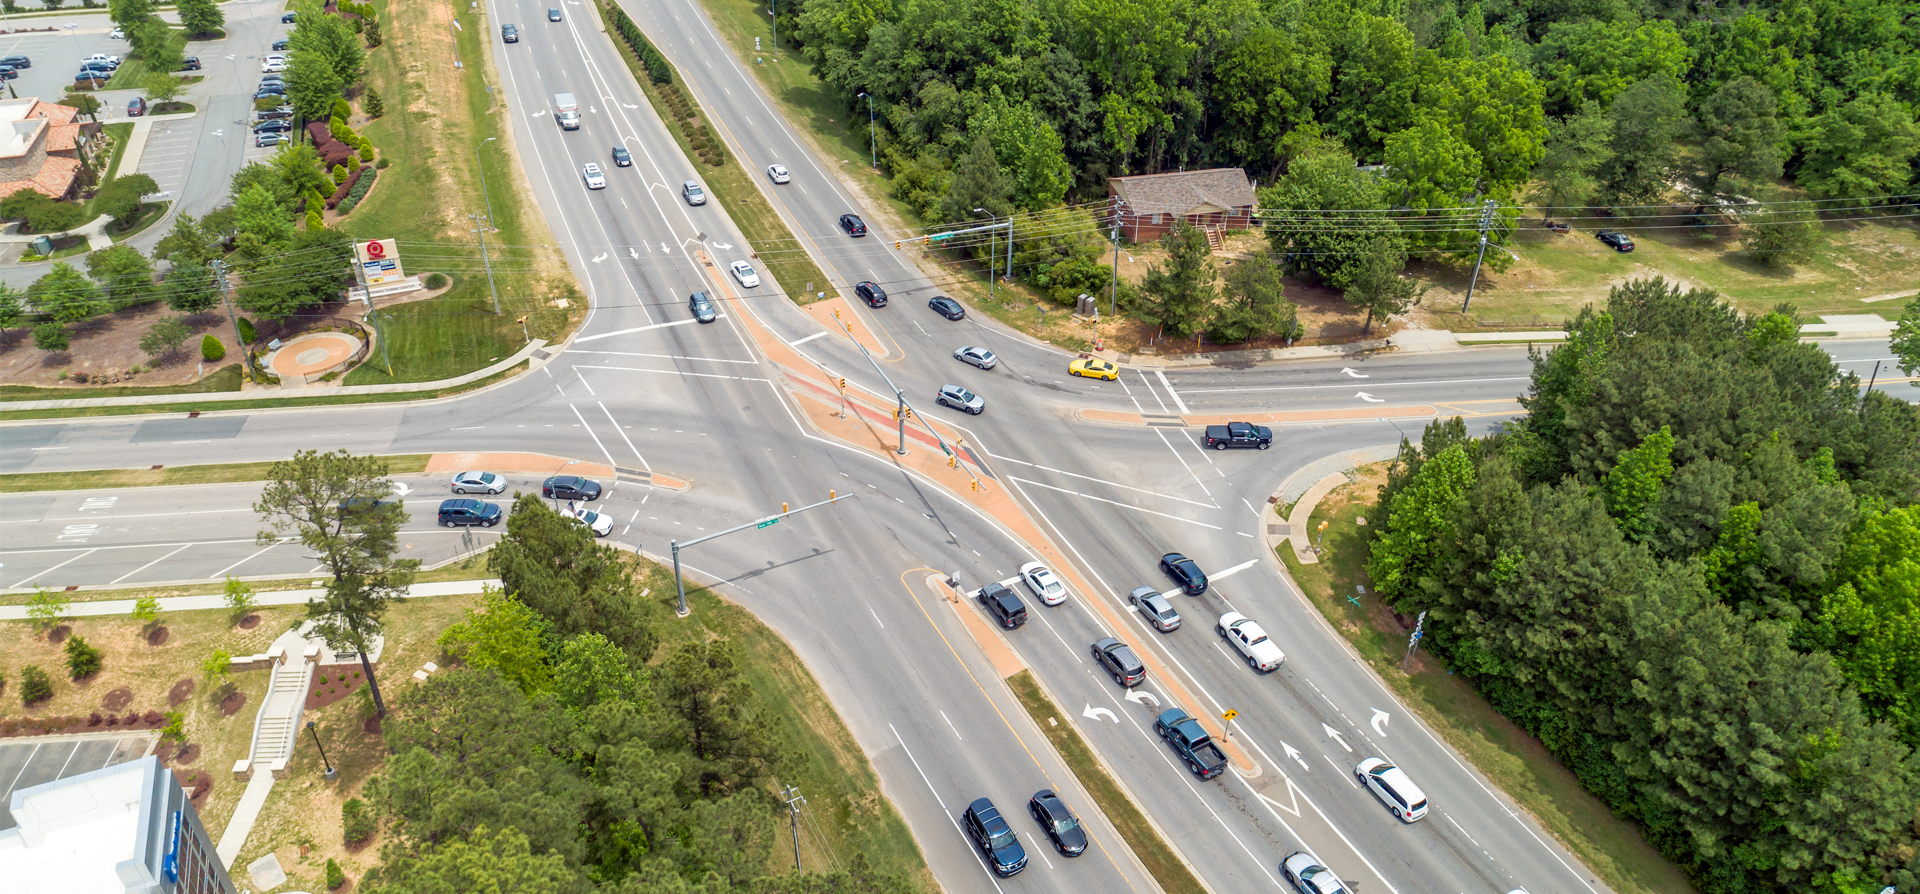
(481, 231)
(331, 772)
(873, 143)
(990, 252)
(769, 521)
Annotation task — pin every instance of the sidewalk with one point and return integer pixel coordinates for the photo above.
(219, 600)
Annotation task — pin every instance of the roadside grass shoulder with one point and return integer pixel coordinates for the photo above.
(220, 473)
(844, 802)
(226, 378)
(266, 403)
(774, 248)
(1514, 761)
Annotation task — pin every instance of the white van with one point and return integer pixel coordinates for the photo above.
(1394, 788)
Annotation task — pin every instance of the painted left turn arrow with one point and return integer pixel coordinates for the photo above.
(1371, 399)
(1143, 697)
(1095, 713)
(600, 257)
(1351, 372)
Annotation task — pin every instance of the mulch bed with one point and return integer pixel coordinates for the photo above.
(328, 687)
(117, 699)
(58, 634)
(187, 754)
(371, 726)
(232, 703)
(77, 723)
(197, 783)
(249, 622)
(157, 636)
(178, 695)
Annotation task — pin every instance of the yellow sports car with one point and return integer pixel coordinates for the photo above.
(1093, 368)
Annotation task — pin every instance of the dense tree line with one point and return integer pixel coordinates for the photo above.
(560, 757)
(1691, 570)
(1609, 103)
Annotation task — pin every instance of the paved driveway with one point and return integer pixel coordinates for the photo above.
(25, 763)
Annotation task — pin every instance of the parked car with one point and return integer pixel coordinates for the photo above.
(978, 356)
(1004, 605)
(1061, 826)
(282, 45)
(996, 840)
(117, 34)
(1155, 608)
(553, 14)
(1185, 573)
(744, 274)
(1120, 662)
(192, 63)
(702, 307)
(853, 225)
(570, 487)
(621, 157)
(1393, 787)
(508, 34)
(600, 523)
(273, 62)
(466, 513)
(286, 18)
(274, 114)
(16, 61)
(1093, 368)
(1044, 583)
(8, 74)
(1261, 652)
(479, 483)
(277, 125)
(108, 58)
(261, 140)
(871, 293)
(1309, 877)
(947, 307)
(270, 90)
(693, 193)
(1621, 242)
(961, 399)
(595, 179)
(778, 173)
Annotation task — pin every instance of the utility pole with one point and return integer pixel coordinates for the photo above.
(792, 796)
(1486, 220)
(758, 524)
(991, 254)
(873, 142)
(483, 239)
(481, 231)
(226, 298)
(1009, 267)
(1113, 293)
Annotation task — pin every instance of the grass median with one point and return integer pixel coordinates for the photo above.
(1515, 761)
(266, 403)
(221, 473)
(1141, 836)
(774, 247)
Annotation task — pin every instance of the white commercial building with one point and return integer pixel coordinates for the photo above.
(125, 829)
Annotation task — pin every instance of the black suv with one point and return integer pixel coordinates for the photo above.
(1620, 241)
(454, 513)
(853, 225)
(1003, 605)
(990, 832)
(510, 33)
(17, 62)
(570, 487)
(1118, 658)
(1185, 573)
(871, 293)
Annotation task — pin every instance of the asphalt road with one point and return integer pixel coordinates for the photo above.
(644, 386)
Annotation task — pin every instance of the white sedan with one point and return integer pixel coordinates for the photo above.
(778, 173)
(1041, 580)
(273, 63)
(479, 483)
(1262, 653)
(595, 179)
(600, 523)
(743, 272)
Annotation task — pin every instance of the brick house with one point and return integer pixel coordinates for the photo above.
(1218, 199)
(40, 147)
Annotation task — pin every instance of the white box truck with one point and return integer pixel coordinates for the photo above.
(566, 111)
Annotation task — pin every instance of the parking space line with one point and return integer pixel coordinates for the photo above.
(57, 567)
(148, 565)
(223, 572)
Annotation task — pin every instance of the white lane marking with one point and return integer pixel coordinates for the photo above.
(1039, 850)
(876, 617)
(1170, 392)
(583, 381)
(956, 730)
(1336, 769)
(1117, 503)
(675, 372)
(623, 437)
(1109, 483)
(666, 356)
(804, 339)
(148, 565)
(1345, 387)
(634, 329)
(596, 438)
(942, 802)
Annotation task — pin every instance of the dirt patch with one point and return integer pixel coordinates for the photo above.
(58, 634)
(333, 683)
(249, 622)
(157, 636)
(187, 754)
(233, 702)
(178, 694)
(106, 349)
(197, 783)
(118, 699)
(371, 726)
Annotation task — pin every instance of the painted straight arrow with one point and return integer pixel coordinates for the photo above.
(1294, 753)
(1335, 735)
(1371, 399)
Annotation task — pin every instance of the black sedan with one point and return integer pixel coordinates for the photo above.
(16, 62)
(1185, 573)
(1621, 242)
(570, 487)
(8, 74)
(622, 157)
(990, 833)
(947, 307)
(273, 125)
(853, 225)
(282, 45)
(286, 18)
(1061, 825)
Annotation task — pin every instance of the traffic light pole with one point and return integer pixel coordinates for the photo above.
(768, 522)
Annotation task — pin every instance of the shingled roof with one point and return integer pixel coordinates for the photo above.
(55, 178)
(1187, 192)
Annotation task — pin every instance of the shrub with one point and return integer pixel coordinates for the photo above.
(436, 280)
(373, 34)
(247, 333)
(341, 109)
(335, 878)
(339, 174)
(315, 220)
(83, 660)
(146, 609)
(46, 607)
(51, 337)
(175, 728)
(239, 597)
(382, 164)
(356, 821)
(35, 685)
(211, 349)
(373, 105)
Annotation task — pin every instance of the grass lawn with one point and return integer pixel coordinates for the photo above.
(775, 248)
(132, 73)
(119, 132)
(436, 115)
(63, 247)
(844, 802)
(149, 213)
(222, 473)
(226, 378)
(1119, 809)
(1515, 761)
(264, 403)
(464, 568)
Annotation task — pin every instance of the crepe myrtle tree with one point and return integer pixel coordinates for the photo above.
(337, 505)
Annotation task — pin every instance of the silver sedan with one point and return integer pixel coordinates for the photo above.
(980, 357)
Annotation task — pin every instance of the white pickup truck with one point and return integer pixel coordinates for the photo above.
(566, 110)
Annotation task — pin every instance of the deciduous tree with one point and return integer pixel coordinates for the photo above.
(1254, 303)
(201, 18)
(1576, 149)
(1378, 286)
(1859, 150)
(977, 181)
(165, 336)
(1312, 244)
(1781, 235)
(1648, 119)
(1178, 295)
(505, 636)
(67, 295)
(124, 274)
(1735, 133)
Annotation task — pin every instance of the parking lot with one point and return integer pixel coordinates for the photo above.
(25, 763)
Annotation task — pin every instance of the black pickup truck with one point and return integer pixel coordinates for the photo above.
(1239, 434)
(1189, 740)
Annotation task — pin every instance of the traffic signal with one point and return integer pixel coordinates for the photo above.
(896, 245)
(953, 462)
(976, 483)
(843, 383)
(909, 412)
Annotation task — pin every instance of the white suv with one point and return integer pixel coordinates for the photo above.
(595, 179)
(1392, 786)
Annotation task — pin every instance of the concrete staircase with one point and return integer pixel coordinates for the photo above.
(275, 729)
